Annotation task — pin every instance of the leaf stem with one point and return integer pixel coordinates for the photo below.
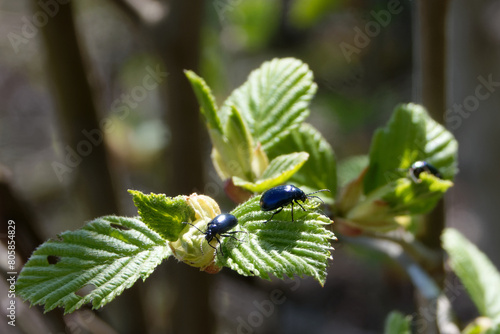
(395, 250)
(427, 258)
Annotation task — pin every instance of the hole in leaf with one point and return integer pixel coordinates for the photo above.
(119, 227)
(85, 290)
(52, 259)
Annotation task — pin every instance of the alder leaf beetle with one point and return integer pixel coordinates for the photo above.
(220, 225)
(278, 197)
(420, 167)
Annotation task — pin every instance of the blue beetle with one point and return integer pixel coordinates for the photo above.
(220, 225)
(419, 167)
(280, 196)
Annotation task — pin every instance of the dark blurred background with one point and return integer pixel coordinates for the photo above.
(93, 101)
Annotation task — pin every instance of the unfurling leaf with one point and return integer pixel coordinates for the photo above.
(254, 118)
(411, 135)
(192, 247)
(274, 99)
(390, 193)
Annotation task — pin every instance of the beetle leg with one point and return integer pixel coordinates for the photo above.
(300, 204)
(248, 235)
(415, 178)
(219, 246)
(233, 232)
(275, 212)
(228, 234)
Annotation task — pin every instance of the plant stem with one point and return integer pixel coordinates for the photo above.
(432, 23)
(175, 38)
(434, 306)
(432, 60)
(427, 258)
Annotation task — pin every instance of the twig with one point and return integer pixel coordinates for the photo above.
(428, 258)
(432, 21)
(420, 278)
(435, 308)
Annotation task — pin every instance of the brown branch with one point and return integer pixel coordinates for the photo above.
(176, 39)
(12, 207)
(433, 44)
(181, 51)
(435, 308)
(428, 259)
(432, 24)
(77, 113)
(432, 16)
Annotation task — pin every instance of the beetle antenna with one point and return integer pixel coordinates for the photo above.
(317, 198)
(194, 227)
(314, 192)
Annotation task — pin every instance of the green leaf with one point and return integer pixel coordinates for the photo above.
(475, 270)
(408, 197)
(397, 323)
(379, 210)
(232, 142)
(410, 136)
(273, 100)
(280, 247)
(279, 171)
(390, 194)
(206, 100)
(94, 264)
(241, 145)
(164, 215)
(319, 172)
(255, 117)
(441, 149)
